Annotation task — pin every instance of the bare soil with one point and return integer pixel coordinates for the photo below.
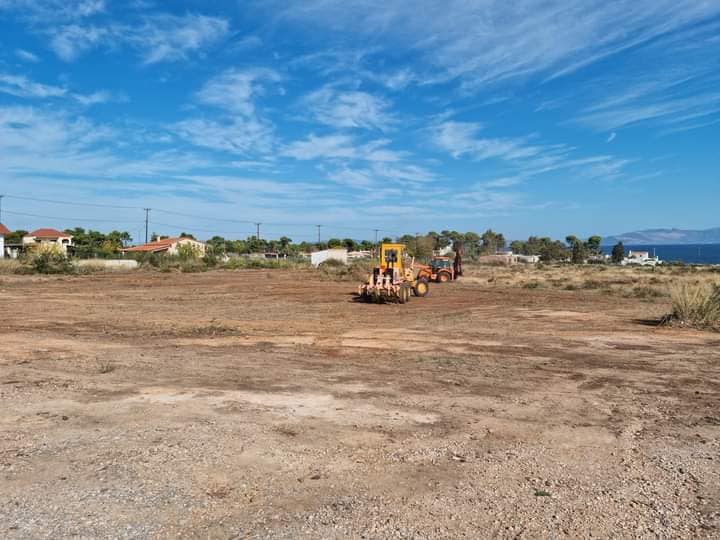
(270, 404)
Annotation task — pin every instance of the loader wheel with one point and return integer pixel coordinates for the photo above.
(421, 288)
(443, 277)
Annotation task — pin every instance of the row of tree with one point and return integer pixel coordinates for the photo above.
(91, 244)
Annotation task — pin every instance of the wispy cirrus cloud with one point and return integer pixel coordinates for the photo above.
(348, 109)
(490, 41)
(463, 140)
(46, 11)
(246, 136)
(236, 90)
(160, 37)
(23, 87)
(239, 128)
(27, 56)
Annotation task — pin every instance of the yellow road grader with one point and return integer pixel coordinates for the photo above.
(394, 279)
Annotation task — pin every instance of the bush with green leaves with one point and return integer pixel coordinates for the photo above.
(50, 262)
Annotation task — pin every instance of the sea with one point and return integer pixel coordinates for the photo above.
(689, 253)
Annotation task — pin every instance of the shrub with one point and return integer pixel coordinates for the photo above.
(10, 266)
(50, 262)
(696, 305)
(357, 270)
(330, 263)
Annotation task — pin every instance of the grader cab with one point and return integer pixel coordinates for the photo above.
(394, 278)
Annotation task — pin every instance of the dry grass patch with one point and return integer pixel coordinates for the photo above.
(697, 306)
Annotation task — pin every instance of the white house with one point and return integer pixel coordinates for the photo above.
(169, 246)
(3, 232)
(319, 257)
(48, 239)
(641, 258)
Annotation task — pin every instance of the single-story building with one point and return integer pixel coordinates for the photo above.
(4, 231)
(169, 246)
(319, 257)
(48, 239)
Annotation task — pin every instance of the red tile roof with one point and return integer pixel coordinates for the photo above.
(4, 230)
(48, 233)
(154, 247)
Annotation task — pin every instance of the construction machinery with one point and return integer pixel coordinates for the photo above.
(394, 278)
(440, 270)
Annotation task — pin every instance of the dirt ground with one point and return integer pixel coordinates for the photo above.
(270, 404)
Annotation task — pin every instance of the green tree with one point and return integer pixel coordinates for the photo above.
(519, 247)
(552, 251)
(284, 244)
(492, 242)
(593, 245)
(334, 243)
(350, 244)
(579, 249)
(15, 237)
(473, 244)
(618, 253)
(218, 245)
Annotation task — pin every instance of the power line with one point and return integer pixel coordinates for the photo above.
(211, 231)
(53, 201)
(183, 214)
(64, 218)
(194, 216)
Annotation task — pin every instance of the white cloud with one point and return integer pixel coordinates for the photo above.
(21, 86)
(611, 137)
(240, 136)
(50, 11)
(489, 40)
(323, 147)
(348, 109)
(167, 38)
(240, 129)
(71, 41)
(158, 38)
(460, 139)
(236, 90)
(102, 96)
(665, 110)
(26, 56)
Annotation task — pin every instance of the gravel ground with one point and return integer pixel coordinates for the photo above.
(262, 404)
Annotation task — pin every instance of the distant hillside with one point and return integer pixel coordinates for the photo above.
(666, 237)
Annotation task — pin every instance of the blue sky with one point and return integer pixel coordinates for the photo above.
(529, 117)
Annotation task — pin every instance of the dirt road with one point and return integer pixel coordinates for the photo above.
(269, 404)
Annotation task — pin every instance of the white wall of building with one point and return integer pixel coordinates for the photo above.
(319, 257)
(2, 246)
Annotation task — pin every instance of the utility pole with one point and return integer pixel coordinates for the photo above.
(147, 223)
(257, 226)
(376, 235)
(1, 198)
(319, 227)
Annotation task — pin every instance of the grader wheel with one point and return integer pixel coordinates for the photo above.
(443, 277)
(421, 288)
